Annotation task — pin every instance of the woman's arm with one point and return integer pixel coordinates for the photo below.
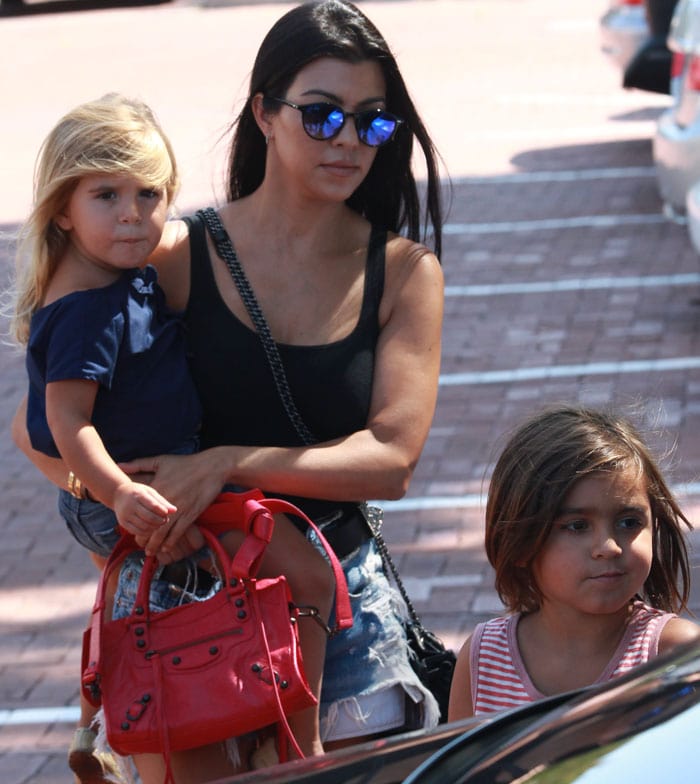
(376, 462)
(53, 468)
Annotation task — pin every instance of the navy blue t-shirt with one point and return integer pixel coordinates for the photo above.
(125, 338)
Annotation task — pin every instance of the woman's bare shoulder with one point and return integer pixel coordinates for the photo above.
(172, 260)
(410, 263)
(173, 246)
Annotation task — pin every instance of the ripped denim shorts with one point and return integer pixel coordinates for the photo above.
(368, 682)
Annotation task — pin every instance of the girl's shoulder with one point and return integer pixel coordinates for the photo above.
(678, 631)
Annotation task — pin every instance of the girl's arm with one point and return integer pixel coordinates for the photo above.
(677, 632)
(460, 706)
(376, 462)
(69, 404)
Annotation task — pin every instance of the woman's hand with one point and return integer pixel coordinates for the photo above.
(190, 483)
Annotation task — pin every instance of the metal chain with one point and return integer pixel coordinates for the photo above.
(224, 248)
(373, 516)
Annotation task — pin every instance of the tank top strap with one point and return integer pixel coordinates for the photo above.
(203, 286)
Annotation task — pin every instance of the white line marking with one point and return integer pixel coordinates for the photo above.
(62, 714)
(551, 224)
(477, 500)
(570, 175)
(566, 371)
(573, 284)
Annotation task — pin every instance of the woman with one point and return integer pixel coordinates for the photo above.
(319, 172)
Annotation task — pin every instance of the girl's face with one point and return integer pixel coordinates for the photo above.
(114, 220)
(599, 552)
(329, 169)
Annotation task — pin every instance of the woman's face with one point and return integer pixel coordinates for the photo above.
(331, 169)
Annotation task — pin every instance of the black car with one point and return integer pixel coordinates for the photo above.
(650, 68)
(638, 729)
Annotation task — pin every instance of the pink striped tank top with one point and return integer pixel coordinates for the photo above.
(499, 679)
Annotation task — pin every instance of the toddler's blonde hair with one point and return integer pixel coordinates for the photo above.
(111, 135)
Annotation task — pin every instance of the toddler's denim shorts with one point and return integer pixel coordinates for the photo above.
(91, 523)
(164, 593)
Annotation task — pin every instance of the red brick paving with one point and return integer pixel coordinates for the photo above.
(527, 91)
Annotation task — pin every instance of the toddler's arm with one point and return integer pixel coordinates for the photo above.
(69, 404)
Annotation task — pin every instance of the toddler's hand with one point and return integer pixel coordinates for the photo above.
(140, 509)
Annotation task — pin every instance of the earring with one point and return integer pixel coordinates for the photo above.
(267, 139)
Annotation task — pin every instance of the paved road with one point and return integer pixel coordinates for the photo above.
(564, 280)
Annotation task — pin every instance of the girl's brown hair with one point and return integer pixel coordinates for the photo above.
(538, 467)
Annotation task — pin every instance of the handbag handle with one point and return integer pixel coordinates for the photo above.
(257, 511)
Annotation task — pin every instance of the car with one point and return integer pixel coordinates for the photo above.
(676, 142)
(636, 729)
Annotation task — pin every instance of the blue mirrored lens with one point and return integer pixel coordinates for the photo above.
(323, 121)
(375, 129)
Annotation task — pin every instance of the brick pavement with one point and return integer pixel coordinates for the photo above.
(510, 138)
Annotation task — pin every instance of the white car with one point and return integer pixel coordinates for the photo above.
(623, 29)
(676, 145)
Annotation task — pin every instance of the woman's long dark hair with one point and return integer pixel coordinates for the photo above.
(388, 196)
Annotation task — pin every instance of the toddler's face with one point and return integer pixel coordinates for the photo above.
(114, 221)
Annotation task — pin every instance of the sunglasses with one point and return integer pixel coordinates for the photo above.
(322, 121)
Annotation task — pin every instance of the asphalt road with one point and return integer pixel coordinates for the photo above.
(565, 282)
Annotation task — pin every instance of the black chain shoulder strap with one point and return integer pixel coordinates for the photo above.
(373, 515)
(224, 247)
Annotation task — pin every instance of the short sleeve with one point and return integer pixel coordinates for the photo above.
(84, 340)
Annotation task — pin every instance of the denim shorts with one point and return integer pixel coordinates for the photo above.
(94, 525)
(163, 594)
(91, 523)
(368, 681)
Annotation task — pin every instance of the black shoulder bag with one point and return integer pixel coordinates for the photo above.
(431, 661)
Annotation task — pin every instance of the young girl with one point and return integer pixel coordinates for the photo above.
(108, 374)
(587, 543)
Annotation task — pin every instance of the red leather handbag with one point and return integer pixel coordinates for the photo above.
(207, 670)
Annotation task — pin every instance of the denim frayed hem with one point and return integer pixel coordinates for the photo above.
(371, 658)
(125, 765)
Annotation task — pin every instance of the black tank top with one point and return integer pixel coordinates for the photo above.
(331, 384)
